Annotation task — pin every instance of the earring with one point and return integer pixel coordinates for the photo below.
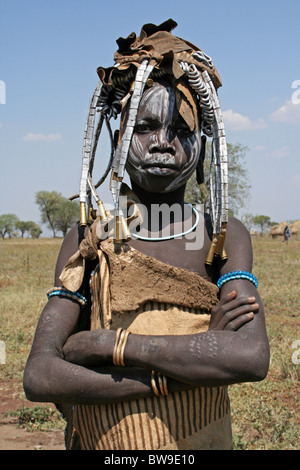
(116, 138)
(200, 164)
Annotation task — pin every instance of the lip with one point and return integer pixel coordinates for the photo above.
(160, 170)
(162, 161)
(162, 167)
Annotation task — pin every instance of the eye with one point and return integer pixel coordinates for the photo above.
(184, 131)
(143, 128)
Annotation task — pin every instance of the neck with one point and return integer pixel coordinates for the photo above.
(147, 198)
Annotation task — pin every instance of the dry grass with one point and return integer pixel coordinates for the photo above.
(265, 415)
(26, 272)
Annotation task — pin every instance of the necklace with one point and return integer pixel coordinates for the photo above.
(170, 237)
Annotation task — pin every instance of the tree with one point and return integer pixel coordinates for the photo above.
(34, 229)
(248, 220)
(8, 224)
(57, 211)
(49, 202)
(263, 221)
(67, 215)
(22, 226)
(238, 187)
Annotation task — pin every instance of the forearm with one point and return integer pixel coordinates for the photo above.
(66, 383)
(215, 357)
(206, 359)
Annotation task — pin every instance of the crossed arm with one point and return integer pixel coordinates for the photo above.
(68, 367)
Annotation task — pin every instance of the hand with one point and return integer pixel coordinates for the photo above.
(232, 312)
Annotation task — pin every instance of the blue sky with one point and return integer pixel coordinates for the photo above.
(49, 54)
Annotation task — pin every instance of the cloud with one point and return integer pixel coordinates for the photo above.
(237, 122)
(296, 180)
(288, 112)
(41, 137)
(260, 148)
(1, 124)
(281, 152)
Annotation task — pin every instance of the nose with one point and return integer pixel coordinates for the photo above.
(162, 142)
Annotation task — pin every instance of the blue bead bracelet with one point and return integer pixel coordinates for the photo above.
(62, 292)
(237, 275)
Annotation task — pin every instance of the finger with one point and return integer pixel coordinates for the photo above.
(218, 310)
(236, 303)
(239, 322)
(231, 295)
(228, 297)
(234, 314)
(227, 304)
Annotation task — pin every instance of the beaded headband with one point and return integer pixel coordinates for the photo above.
(154, 54)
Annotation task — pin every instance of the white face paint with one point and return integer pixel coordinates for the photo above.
(164, 152)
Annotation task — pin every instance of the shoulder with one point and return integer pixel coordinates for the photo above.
(69, 247)
(236, 229)
(238, 246)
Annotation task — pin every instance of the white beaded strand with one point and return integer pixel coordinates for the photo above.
(212, 126)
(87, 143)
(122, 150)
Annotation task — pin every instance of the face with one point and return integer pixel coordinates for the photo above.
(164, 152)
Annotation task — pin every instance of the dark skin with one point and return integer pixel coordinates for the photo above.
(69, 366)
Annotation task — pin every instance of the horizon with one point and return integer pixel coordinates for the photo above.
(51, 50)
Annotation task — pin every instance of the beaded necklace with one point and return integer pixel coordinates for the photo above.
(170, 237)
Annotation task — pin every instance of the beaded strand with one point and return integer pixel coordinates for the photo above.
(62, 292)
(237, 275)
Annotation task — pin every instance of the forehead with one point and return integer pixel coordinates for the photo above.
(158, 102)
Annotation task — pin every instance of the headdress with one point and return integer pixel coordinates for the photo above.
(154, 54)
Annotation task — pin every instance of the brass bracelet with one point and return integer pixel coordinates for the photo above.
(162, 388)
(119, 347)
(153, 383)
(162, 381)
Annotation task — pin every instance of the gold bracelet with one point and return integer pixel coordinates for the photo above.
(162, 384)
(119, 347)
(153, 383)
(118, 333)
(162, 381)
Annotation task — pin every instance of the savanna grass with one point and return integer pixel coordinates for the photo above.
(26, 273)
(265, 415)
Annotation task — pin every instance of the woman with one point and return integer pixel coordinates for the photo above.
(150, 370)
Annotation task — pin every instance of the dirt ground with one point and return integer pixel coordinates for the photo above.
(14, 437)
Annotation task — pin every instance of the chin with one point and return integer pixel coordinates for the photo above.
(159, 180)
(157, 183)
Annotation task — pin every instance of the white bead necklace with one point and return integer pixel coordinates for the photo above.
(170, 237)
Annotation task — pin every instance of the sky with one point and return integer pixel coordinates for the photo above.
(49, 53)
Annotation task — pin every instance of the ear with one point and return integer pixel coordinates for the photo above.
(200, 165)
(116, 138)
